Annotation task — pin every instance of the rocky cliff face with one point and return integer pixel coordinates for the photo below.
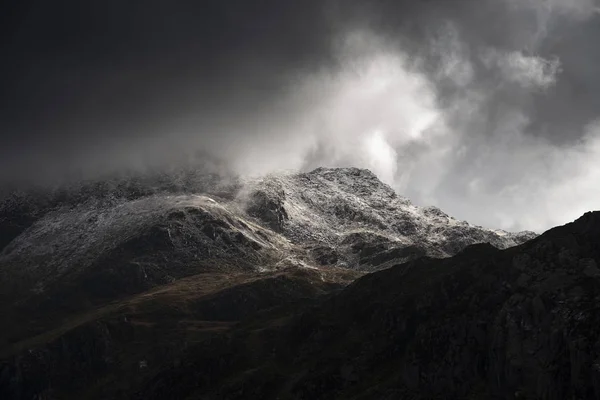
(106, 287)
(352, 219)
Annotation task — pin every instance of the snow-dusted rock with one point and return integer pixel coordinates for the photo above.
(350, 213)
(107, 239)
(113, 250)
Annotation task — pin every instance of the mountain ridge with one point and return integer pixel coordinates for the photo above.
(105, 280)
(332, 206)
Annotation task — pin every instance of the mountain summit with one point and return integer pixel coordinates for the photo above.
(355, 220)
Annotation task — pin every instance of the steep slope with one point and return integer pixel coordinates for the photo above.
(348, 217)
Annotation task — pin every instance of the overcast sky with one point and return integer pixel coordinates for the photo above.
(488, 109)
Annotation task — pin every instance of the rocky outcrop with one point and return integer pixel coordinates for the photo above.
(268, 208)
(351, 212)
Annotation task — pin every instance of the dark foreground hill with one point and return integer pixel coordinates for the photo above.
(262, 291)
(521, 323)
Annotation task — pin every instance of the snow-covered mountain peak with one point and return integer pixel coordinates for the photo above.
(345, 209)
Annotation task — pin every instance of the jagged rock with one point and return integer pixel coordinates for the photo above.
(268, 208)
(333, 206)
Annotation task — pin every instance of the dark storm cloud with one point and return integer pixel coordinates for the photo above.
(78, 74)
(472, 105)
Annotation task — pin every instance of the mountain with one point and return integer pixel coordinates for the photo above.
(353, 219)
(123, 287)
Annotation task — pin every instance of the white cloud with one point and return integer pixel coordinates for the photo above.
(527, 71)
(379, 112)
(379, 156)
(454, 55)
(375, 105)
(529, 183)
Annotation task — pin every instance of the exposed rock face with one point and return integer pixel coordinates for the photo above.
(355, 215)
(268, 208)
(135, 287)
